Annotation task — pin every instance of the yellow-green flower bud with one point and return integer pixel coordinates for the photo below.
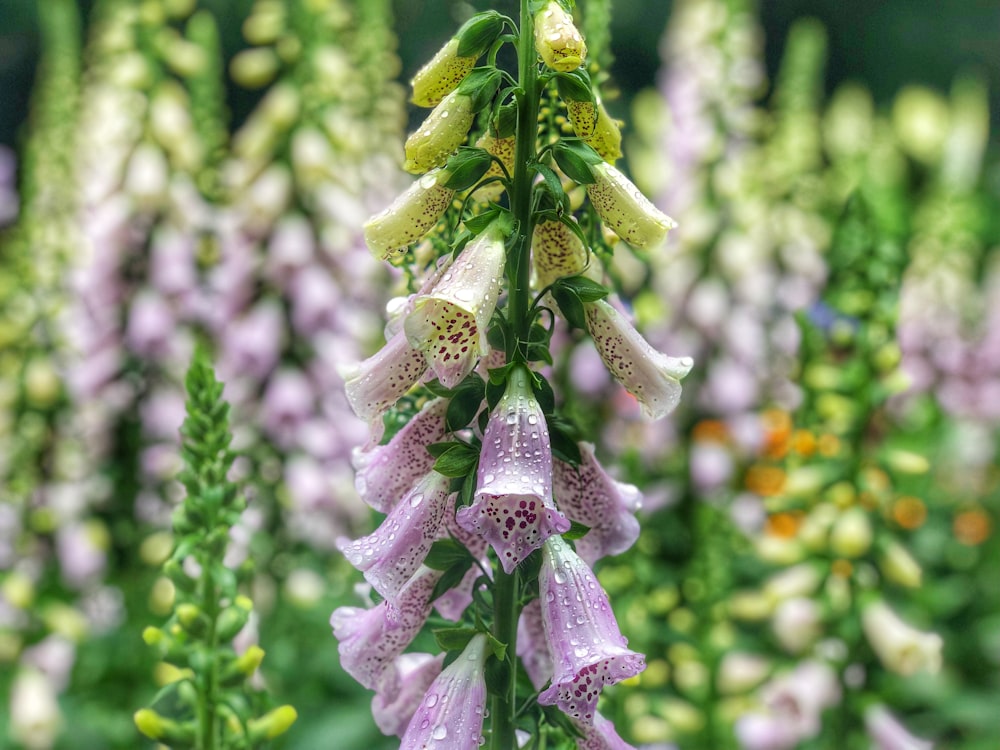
(556, 251)
(557, 40)
(254, 68)
(232, 619)
(157, 727)
(272, 724)
(625, 210)
(898, 566)
(851, 535)
(444, 130)
(412, 215)
(441, 75)
(191, 618)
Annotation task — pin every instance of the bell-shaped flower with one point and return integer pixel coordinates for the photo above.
(556, 251)
(900, 647)
(588, 495)
(513, 508)
(444, 130)
(410, 217)
(385, 473)
(452, 711)
(625, 210)
(557, 40)
(390, 555)
(503, 149)
(600, 131)
(587, 647)
(651, 376)
(370, 639)
(448, 324)
(888, 733)
(373, 386)
(401, 689)
(532, 645)
(441, 75)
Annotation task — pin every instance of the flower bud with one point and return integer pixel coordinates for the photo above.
(796, 624)
(411, 216)
(232, 619)
(444, 130)
(851, 535)
(740, 672)
(157, 727)
(557, 40)
(898, 566)
(254, 68)
(272, 724)
(625, 210)
(441, 75)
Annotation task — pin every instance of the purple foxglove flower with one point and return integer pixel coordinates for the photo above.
(513, 508)
(370, 639)
(452, 711)
(390, 555)
(401, 689)
(651, 376)
(151, 324)
(288, 402)
(888, 733)
(601, 735)
(374, 385)
(449, 323)
(386, 472)
(453, 603)
(588, 495)
(587, 647)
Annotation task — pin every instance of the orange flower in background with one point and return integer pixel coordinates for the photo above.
(765, 481)
(972, 527)
(909, 512)
(804, 442)
(710, 430)
(784, 525)
(777, 433)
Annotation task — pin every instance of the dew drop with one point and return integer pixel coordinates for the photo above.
(440, 732)
(416, 499)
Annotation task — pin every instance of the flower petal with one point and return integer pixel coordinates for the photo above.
(587, 647)
(402, 688)
(625, 210)
(411, 216)
(651, 376)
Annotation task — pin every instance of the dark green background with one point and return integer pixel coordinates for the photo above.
(884, 43)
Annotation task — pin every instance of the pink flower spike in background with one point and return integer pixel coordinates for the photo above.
(587, 646)
(513, 508)
(452, 711)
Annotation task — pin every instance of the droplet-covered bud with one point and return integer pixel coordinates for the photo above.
(625, 210)
(441, 75)
(557, 40)
(444, 130)
(411, 216)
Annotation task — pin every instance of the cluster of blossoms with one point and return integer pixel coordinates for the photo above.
(495, 510)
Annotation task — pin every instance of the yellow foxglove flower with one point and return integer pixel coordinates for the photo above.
(503, 149)
(444, 130)
(900, 647)
(606, 138)
(441, 75)
(556, 251)
(625, 210)
(411, 216)
(557, 40)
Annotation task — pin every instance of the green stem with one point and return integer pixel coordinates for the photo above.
(518, 258)
(208, 719)
(504, 705)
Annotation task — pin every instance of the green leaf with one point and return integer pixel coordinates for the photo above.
(572, 164)
(505, 122)
(476, 224)
(435, 387)
(465, 403)
(575, 86)
(453, 639)
(451, 578)
(552, 185)
(478, 33)
(458, 461)
(447, 552)
(481, 85)
(467, 167)
(576, 531)
(570, 305)
(586, 289)
(565, 440)
(544, 394)
(499, 648)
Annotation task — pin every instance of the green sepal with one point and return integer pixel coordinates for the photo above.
(538, 343)
(477, 34)
(564, 437)
(576, 531)
(575, 86)
(446, 552)
(453, 639)
(505, 121)
(476, 224)
(551, 185)
(575, 159)
(459, 460)
(498, 648)
(466, 401)
(586, 289)
(449, 580)
(570, 305)
(480, 85)
(467, 167)
(543, 393)
(437, 389)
